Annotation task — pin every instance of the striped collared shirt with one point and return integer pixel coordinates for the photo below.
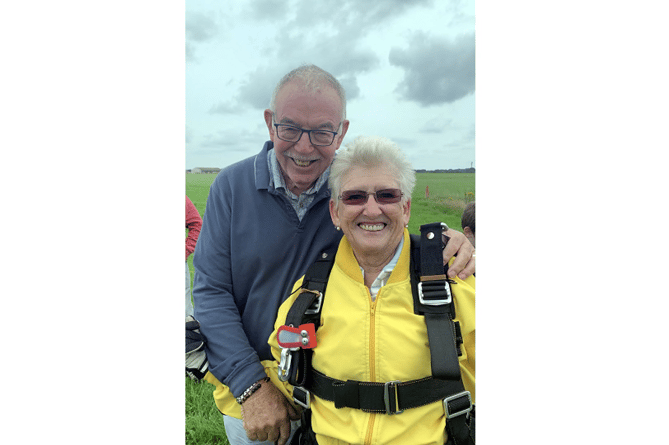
(300, 203)
(381, 280)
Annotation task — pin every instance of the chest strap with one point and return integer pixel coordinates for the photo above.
(392, 397)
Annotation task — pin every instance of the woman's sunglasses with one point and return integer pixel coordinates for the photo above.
(359, 197)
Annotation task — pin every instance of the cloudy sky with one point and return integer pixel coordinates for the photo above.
(407, 67)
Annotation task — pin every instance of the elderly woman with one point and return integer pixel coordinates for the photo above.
(369, 333)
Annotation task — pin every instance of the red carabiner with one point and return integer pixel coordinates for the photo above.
(303, 336)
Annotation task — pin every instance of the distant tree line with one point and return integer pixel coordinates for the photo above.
(451, 170)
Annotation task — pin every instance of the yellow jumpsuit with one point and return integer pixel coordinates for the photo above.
(379, 341)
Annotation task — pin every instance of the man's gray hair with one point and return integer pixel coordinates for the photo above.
(312, 77)
(370, 152)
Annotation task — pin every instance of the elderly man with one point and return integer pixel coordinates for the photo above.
(266, 221)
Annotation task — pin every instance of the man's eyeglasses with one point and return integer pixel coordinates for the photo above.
(289, 133)
(359, 197)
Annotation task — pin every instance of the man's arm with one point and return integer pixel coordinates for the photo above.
(232, 360)
(464, 264)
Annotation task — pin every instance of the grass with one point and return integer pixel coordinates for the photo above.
(204, 423)
(449, 194)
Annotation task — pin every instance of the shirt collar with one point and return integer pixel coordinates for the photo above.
(381, 280)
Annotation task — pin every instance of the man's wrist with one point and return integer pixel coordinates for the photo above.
(251, 390)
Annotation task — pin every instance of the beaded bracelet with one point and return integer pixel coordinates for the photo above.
(250, 390)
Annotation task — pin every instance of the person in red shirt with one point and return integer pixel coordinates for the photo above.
(193, 224)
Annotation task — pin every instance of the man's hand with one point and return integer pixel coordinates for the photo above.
(464, 264)
(267, 414)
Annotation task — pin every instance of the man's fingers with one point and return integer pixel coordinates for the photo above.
(273, 435)
(453, 245)
(284, 433)
(292, 412)
(461, 262)
(260, 436)
(464, 263)
(469, 270)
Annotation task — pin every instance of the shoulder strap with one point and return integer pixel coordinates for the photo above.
(433, 299)
(307, 309)
(308, 303)
(431, 290)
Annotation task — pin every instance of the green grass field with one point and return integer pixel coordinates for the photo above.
(449, 194)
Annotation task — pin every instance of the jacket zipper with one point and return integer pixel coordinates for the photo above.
(372, 370)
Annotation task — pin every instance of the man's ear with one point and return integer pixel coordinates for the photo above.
(340, 136)
(469, 234)
(268, 122)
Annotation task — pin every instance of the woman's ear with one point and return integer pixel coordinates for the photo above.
(406, 212)
(333, 213)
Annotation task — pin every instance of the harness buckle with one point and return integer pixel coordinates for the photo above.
(302, 397)
(388, 397)
(315, 307)
(436, 286)
(463, 404)
(284, 365)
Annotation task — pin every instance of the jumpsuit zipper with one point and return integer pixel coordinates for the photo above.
(372, 363)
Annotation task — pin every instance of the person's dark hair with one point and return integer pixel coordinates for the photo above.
(469, 218)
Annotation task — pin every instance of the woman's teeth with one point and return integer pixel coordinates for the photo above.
(372, 227)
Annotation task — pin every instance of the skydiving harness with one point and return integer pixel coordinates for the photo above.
(432, 299)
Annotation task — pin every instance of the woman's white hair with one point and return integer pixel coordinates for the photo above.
(369, 152)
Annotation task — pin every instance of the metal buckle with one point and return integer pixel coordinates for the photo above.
(284, 365)
(311, 310)
(454, 397)
(304, 394)
(386, 397)
(447, 289)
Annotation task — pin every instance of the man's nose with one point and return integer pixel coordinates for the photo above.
(304, 143)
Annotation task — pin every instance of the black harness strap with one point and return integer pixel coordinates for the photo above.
(433, 299)
(307, 309)
(389, 398)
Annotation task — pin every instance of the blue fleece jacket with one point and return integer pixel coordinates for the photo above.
(251, 250)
